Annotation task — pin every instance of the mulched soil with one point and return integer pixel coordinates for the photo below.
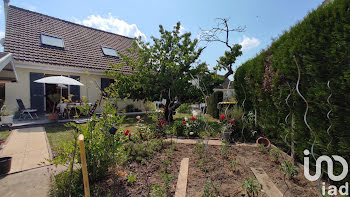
(227, 179)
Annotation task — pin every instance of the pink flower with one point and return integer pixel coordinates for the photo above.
(184, 122)
(138, 117)
(193, 118)
(222, 117)
(231, 121)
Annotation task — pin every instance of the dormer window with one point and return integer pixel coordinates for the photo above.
(110, 52)
(51, 41)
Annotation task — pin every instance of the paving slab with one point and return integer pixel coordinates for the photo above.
(268, 186)
(28, 148)
(181, 185)
(30, 183)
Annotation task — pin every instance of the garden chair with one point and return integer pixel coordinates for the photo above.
(25, 111)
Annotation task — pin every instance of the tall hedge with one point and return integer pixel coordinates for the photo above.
(321, 46)
(213, 100)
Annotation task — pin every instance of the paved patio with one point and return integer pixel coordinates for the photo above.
(28, 148)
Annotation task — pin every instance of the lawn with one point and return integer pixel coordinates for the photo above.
(4, 134)
(58, 134)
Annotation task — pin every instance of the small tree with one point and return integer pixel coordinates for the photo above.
(166, 69)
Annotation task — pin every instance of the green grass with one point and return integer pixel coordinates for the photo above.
(4, 134)
(58, 134)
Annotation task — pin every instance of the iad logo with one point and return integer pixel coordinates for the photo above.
(332, 190)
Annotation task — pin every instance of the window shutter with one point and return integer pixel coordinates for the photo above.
(75, 90)
(36, 92)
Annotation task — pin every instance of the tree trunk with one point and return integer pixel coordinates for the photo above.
(168, 111)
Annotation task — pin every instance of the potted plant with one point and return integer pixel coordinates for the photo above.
(54, 98)
(6, 117)
(5, 165)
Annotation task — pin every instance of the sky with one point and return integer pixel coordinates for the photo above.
(263, 20)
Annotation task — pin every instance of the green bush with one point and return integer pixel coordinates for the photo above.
(143, 151)
(61, 183)
(184, 108)
(213, 100)
(180, 129)
(320, 45)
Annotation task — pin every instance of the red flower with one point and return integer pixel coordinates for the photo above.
(222, 117)
(127, 132)
(157, 135)
(183, 122)
(193, 118)
(160, 124)
(231, 121)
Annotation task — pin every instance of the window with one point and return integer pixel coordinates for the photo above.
(110, 52)
(52, 41)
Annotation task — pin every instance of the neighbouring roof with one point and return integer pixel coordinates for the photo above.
(227, 84)
(82, 45)
(7, 69)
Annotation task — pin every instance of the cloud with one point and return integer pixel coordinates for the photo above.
(111, 24)
(249, 43)
(2, 34)
(31, 8)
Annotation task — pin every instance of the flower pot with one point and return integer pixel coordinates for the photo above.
(5, 165)
(266, 142)
(53, 116)
(7, 119)
(226, 136)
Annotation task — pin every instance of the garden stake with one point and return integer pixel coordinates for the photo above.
(83, 166)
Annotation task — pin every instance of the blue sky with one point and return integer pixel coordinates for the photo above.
(264, 19)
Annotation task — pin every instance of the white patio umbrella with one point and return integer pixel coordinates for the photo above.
(60, 80)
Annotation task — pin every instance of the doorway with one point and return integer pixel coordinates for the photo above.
(53, 89)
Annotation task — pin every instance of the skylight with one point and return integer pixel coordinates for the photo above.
(110, 52)
(52, 41)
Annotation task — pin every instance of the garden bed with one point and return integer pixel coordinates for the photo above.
(227, 179)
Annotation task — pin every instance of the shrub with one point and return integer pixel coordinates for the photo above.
(61, 183)
(213, 100)
(143, 151)
(101, 147)
(320, 45)
(184, 108)
(179, 128)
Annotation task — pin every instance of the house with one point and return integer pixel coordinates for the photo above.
(227, 88)
(39, 45)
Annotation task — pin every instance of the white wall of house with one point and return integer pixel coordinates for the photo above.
(21, 89)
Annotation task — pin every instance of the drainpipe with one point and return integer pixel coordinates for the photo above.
(6, 6)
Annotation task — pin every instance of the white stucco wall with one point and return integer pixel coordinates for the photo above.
(21, 89)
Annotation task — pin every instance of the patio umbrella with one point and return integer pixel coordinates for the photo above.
(60, 80)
